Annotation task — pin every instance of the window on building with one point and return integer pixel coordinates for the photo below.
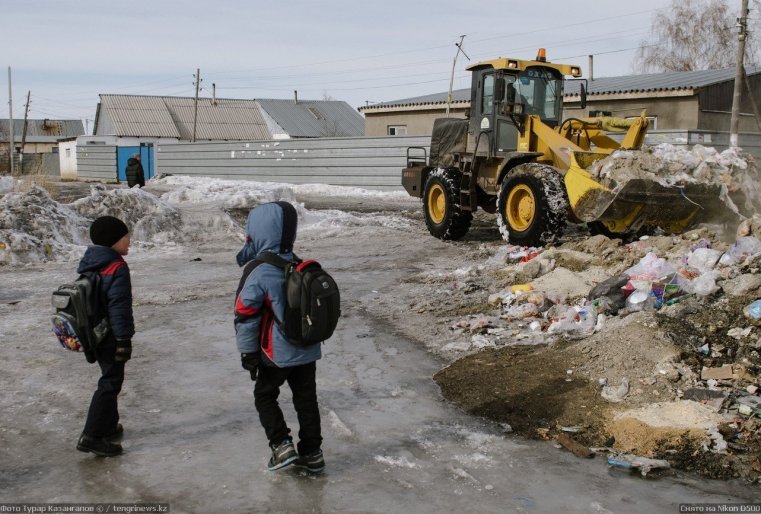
(68, 152)
(397, 130)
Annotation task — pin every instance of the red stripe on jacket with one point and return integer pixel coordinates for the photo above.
(111, 268)
(240, 308)
(265, 330)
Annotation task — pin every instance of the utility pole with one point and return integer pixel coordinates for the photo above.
(742, 27)
(10, 119)
(26, 120)
(195, 108)
(451, 78)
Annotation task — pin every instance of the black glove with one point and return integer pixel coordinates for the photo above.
(123, 350)
(250, 361)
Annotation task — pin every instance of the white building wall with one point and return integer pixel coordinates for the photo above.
(67, 157)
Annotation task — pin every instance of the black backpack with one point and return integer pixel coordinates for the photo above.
(313, 303)
(77, 321)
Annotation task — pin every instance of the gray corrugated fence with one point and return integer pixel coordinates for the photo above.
(96, 162)
(367, 162)
(749, 142)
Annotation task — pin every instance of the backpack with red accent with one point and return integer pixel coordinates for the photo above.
(313, 303)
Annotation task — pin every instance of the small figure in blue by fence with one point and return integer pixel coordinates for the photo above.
(111, 240)
(266, 352)
(134, 172)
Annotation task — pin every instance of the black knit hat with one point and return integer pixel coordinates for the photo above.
(107, 230)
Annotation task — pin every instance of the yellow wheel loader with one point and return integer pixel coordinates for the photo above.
(513, 155)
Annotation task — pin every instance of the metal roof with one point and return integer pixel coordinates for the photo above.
(654, 82)
(603, 85)
(224, 118)
(171, 116)
(459, 95)
(315, 118)
(42, 131)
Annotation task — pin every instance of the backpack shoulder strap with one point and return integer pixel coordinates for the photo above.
(247, 269)
(272, 258)
(99, 301)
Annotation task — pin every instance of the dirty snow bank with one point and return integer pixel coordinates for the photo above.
(34, 227)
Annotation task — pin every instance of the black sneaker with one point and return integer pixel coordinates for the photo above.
(282, 455)
(99, 446)
(312, 462)
(116, 432)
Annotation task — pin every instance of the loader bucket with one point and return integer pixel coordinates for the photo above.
(642, 202)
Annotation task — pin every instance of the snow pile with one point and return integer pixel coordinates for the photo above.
(150, 219)
(232, 194)
(241, 194)
(228, 194)
(7, 184)
(34, 227)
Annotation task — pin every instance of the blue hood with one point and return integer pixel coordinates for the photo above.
(270, 227)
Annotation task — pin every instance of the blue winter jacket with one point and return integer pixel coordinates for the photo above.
(115, 287)
(260, 305)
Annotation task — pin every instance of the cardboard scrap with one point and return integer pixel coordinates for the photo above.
(576, 448)
(722, 373)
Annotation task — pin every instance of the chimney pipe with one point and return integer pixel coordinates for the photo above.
(295, 96)
(591, 71)
(213, 93)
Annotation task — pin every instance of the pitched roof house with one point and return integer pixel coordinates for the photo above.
(223, 119)
(42, 135)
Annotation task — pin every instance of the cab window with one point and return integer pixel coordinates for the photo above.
(487, 98)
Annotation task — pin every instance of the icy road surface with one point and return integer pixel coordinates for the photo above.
(192, 436)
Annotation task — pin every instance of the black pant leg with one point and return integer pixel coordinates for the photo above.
(104, 410)
(266, 392)
(302, 381)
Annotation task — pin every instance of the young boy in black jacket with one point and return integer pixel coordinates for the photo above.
(110, 237)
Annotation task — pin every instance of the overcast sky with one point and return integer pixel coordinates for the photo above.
(66, 52)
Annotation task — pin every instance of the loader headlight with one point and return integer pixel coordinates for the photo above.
(575, 71)
(512, 65)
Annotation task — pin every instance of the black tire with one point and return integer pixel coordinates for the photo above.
(441, 205)
(532, 205)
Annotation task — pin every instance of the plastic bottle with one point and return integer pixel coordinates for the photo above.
(753, 312)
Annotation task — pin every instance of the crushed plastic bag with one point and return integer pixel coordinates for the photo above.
(522, 311)
(650, 267)
(705, 284)
(579, 321)
(743, 248)
(704, 259)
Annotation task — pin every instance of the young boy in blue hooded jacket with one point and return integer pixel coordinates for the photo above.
(265, 351)
(111, 240)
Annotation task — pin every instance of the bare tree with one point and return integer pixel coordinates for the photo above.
(692, 35)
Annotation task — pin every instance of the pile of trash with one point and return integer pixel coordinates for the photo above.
(666, 321)
(733, 169)
(675, 165)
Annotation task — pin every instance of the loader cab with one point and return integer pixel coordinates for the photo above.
(503, 96)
